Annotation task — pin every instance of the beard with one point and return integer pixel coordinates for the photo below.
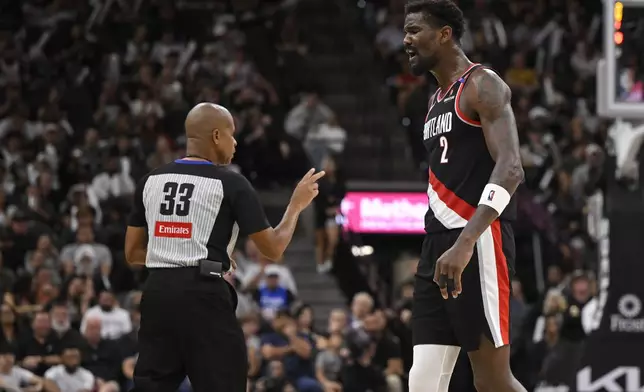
(60, 327)
(71, 369)
(420, 65)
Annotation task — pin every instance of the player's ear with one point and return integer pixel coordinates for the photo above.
(216, 136)
(445, 35)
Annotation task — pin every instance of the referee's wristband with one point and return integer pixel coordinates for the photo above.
(495, 196)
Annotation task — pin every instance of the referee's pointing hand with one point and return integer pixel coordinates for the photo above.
(306, 189)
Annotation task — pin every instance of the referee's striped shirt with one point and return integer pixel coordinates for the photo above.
(194, 210)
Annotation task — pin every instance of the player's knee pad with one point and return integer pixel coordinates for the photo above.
(432, 367)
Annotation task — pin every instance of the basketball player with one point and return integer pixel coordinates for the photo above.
(186, 219)
(462, 287)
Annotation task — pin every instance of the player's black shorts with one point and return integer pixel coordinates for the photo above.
(483, 307)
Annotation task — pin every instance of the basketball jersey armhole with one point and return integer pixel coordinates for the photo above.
(457, 101)
(431, 103)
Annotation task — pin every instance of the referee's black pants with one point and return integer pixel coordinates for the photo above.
(188, 327)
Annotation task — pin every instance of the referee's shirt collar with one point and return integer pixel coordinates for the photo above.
(192, 162)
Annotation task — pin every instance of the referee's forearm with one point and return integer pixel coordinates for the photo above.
(137, 257)
(284, 231)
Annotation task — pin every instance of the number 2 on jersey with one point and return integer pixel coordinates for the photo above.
(443, 144)
(176, 199)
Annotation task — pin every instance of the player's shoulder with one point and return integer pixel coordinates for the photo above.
(485, 91)
(486, 82)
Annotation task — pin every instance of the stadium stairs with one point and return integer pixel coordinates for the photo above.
(341, 57)
(319, 291)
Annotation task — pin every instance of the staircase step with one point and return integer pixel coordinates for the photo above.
(344, 82)
(327, 62)
(316, 296)
(319, 291)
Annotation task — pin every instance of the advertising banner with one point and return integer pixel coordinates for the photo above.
(384, 212)
(612, 359)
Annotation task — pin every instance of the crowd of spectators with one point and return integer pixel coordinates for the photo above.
(93, 95)
(358, 351)
(547, 52)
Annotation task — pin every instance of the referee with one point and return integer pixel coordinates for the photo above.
(184, 225)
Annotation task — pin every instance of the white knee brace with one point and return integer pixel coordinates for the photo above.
(432, 367)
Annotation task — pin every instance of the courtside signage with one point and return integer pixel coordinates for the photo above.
(173, 229)
(384, 212)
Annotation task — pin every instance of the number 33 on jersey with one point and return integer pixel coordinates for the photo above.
(460, 164)
(194, 210)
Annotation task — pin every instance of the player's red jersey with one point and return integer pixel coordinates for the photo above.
(460, 164)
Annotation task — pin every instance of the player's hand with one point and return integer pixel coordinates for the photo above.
(306, 189)
(449, 268)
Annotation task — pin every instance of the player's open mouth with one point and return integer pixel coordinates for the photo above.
(411, 53)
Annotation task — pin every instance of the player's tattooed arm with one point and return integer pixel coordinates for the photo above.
(489, 97)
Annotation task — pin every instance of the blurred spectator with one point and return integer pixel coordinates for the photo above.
(328, 138)
(327, 207)
(387, 355)
(39, 349)
(10, 328)
(360, 373)
(580, 293)
(403, 83)
(86, 257)
(276, 379)
(100, 356)
(338, 324)
(390, 37)
(69, 375)
(15, 379)
(255, 275)
(519, 76)
(250, 326)
(328, 364)
(294, 350)
(306, 116)
(162, 155)
(361, 307)
(543, 349)
(271, 296)
(113, 321)
(61, 325)
(112, 182)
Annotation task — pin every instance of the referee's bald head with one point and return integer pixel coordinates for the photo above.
(209, 133)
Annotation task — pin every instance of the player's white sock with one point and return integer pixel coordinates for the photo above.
(432, 368)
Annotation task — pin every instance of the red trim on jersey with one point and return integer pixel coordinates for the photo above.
(430, 105)
(503, 280)
(451, 200)
(439, 91)
(459, 113)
